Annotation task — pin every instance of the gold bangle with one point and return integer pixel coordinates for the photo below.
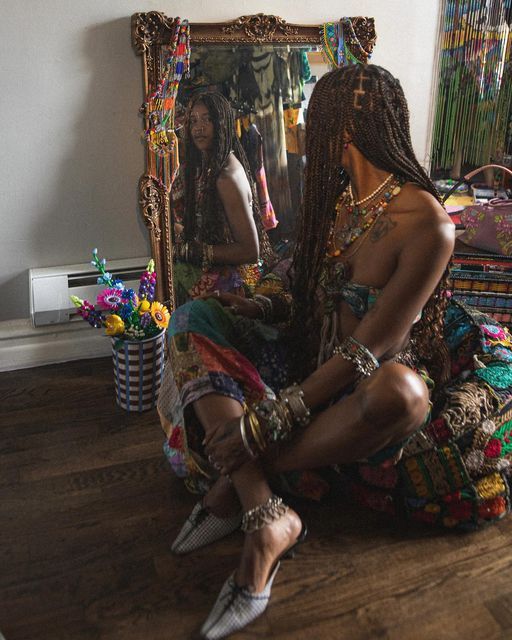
(207, 256)
(244, 438)
(254, 423)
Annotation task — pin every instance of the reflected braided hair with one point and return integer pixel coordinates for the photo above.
(367, 103)
(225, 141)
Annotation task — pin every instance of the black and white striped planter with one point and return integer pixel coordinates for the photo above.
(138, 368)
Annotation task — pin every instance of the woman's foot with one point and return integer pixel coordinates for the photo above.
(271, 529)
(264, 547)
(216, 516)
(221, 499)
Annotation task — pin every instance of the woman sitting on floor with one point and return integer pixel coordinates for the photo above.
(362, 334)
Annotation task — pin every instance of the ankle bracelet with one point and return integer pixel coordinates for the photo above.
(263, 514)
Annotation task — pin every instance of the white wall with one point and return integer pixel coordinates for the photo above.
(71, 86)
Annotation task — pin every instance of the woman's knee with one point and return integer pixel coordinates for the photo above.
(394, 394)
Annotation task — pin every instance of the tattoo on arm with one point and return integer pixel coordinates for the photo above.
(382, 228)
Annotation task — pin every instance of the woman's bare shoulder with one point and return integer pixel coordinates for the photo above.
(426, 220)
(232, 175)
(232, 168)
(423, 207)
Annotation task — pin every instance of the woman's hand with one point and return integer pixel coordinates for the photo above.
(236, 304)
(225, 448)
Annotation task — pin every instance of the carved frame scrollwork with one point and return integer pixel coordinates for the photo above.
(152, 30)
(154, 202)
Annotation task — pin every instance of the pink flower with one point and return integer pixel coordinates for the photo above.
(110, 298)
(495, 332)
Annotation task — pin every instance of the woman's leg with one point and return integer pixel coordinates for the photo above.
(262, 547)
(213, 410)
(383, 410)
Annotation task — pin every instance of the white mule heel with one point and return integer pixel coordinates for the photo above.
(202, 528)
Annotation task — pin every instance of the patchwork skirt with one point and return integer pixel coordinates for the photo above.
(454, 472)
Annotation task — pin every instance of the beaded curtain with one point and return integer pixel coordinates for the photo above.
(473, 110)
(162, 143)
(341, 45)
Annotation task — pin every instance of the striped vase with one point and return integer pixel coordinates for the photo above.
(138, 368)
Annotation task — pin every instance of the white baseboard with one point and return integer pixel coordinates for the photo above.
(23, 346)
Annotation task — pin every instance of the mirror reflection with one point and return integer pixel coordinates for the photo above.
(240, 119)
(268, 88)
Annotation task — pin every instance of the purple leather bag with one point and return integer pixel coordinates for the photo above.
(488, 225)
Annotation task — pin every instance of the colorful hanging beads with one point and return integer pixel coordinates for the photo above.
(160, 106)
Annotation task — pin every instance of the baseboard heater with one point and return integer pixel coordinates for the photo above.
(51, 288)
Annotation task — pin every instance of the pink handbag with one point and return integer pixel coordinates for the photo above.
(488, 225)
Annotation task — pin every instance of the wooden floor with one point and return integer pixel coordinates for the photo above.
(88, 507)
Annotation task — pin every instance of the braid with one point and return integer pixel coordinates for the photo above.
(225, 141)
(367, 103)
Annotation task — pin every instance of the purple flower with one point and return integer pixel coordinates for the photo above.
(145, 319)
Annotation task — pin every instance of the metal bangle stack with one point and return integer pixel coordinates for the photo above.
(207, 257)
(265, 307)
(293, 397)
(361, 357)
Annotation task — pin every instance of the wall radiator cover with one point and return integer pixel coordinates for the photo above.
(51, 288)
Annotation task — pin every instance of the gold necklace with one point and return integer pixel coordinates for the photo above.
(371, 195)
(340, 240)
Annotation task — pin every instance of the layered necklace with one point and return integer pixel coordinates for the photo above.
(362, 215)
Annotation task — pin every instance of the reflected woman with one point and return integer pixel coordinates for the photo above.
(220, 239)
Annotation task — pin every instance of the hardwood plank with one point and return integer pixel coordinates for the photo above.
(89, 508)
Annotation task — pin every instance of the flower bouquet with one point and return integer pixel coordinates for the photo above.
(123, 312)
(136, 323)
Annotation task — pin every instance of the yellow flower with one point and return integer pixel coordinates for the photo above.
(144, 306)
(160, 314)
(114, 325)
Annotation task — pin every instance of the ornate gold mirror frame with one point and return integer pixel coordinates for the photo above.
(153, 30)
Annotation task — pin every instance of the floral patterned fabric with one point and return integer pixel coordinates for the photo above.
(213, 351)
(454, 471)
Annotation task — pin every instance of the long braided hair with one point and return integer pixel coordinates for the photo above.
(367, 103)
(225, 141)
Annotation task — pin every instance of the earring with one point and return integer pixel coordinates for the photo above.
(345, 144)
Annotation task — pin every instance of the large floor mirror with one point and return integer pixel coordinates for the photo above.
(267, 69)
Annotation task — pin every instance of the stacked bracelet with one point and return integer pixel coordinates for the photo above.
(277, 417)
(207, 257)
(293, 397)
(181, 251)
(265, 306)
(255, 427)
(244, 438)
(362, 358)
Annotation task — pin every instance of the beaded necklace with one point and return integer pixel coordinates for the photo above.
(361, 219)
(372, 195)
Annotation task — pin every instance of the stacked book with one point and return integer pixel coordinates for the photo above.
(483, 280)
